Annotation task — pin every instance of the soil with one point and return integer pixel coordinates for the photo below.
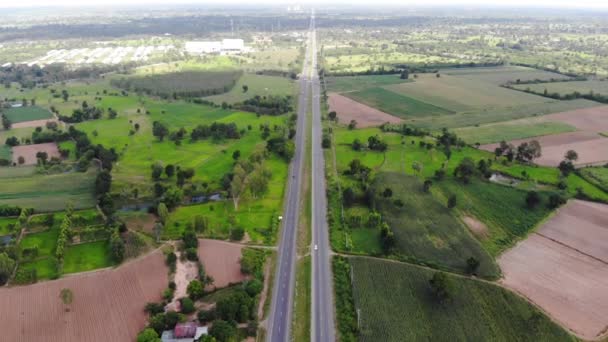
(222, 261)
(593, 119)
(33, 123)
(107, 305)
(478, 228)
(365, 116)
(185, 272)
(28, 152)
(563, 269)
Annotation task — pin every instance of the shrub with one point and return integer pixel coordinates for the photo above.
(187, 306)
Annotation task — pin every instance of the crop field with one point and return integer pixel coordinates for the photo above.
(343, 84)
(395, 103)
(501, 208)
(596, 175)
(565, 271)
(222, 261)
(5, 223)
(187, 83)
(563, 88)
(47, 193)
(28, 152)
(593, 119)
(503, 74)
(117, 295)
(460, 94)
(425, 229)
(30, 113)
(86, 256)
(260, 85)
(403, 309)
(365, 116)
(512, 130)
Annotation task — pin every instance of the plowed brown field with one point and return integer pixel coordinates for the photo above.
(594, 119)
(365, 116)
(28, 152)
(107, 305)
(222, 261)
(563, 268)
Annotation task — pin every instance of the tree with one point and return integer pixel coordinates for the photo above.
(6, 122)
(556, 201)
(237, 233)
(245, 88)
(195, 289)
(12, 141)
(332, 115)
(357, 145)
(571, 155)
(352, 124)
(451, 201)
(532, 199)
(405, 74)
(169, 170)
(465, 170)
(472, 265)
(200, 223)
(426, 187)
(222, 330)
(387, 193)
(157, 170)
(237, 185)
(527, 152)
(159, 130)
(67, 296)
(348, 196)
(148, 335)
(158, 230)
(103, 182)
(21, 160)
(258, 181)
(117, 247)
(6, 267)
(417, 166)
(163, 212)
(236, 155)
(565, 167)
(441, 287)
(173, 197)
(186, 305)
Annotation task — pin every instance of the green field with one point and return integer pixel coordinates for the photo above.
(394, 303)
(508, 131)
(260, 85)
(47, 193)
(596, 175)
(86, 256)
(395, 103)
(45, 268)
(355, 83)
(503, 74)
(563, 88)
(5, 222)
(22, 114)
(501, 208)
(425, 229)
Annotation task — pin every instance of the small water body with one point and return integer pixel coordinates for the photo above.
(502, 179)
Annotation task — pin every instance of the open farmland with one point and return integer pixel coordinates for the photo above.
(365, 116)
(565, 270)
(503, 74)
(565, 88)
(222, 261)
(355, 83)
(403, 309)
(28, 152)
(425, 229)
(511, 130)
(117, 296)
(257, 85)
(593, 119)
(30, 113)
(397, 104)
(596, 175)
(47, 192)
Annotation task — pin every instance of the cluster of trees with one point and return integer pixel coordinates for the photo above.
(526, 152)
(282, 146)
(65, 233)
(6, 122)
(248, 174)
(404, 129)
(216, 131)
(84, 113)
(30, 76)
(566, 166)
(7, 210)
(271, 104)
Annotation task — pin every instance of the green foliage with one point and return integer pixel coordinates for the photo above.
(148, 335)
(195, 289)
(223, 331)
(6, 267)
(186, 305)
(345, 306)
(252, 262)
(117, 247)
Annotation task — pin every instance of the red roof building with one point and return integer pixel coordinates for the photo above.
(185, 330)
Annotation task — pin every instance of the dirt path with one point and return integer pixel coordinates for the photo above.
(185, 272)
(264, 293)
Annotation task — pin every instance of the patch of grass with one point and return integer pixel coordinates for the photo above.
(86, 256)
(508, 131)
(346, 314)
(301, 329)
(46, 268)
(5, 152)
(425, 230)
(395, 103)
(355, 83)
(44, 241)
(596, 175)
(29, 113)
(5, 222)
(395, 303)
(503, 74)
(260, 85)
(502, 208)
(563, 88)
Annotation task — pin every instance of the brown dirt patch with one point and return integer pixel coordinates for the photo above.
(33, 123)
(222, 261)
(107, 305)
(588, 119)
(28, 152)
(478, 228)
(366, 116)
(144, 222)
(185, 272)
(562, 269)
(591, 147)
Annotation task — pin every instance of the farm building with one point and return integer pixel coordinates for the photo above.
(226, 46)
(184, 332)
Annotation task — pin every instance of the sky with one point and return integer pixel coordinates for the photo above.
(584, 4)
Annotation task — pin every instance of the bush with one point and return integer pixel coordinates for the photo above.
(206, 316)
(195, 289)
(191, 254)
(237, 234)
(222, 330)
(187, 306)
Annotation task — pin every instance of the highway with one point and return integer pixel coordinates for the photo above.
(280, 319)
(322, 316)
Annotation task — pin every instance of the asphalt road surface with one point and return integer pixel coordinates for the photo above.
(279, 322)
(322, 327)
